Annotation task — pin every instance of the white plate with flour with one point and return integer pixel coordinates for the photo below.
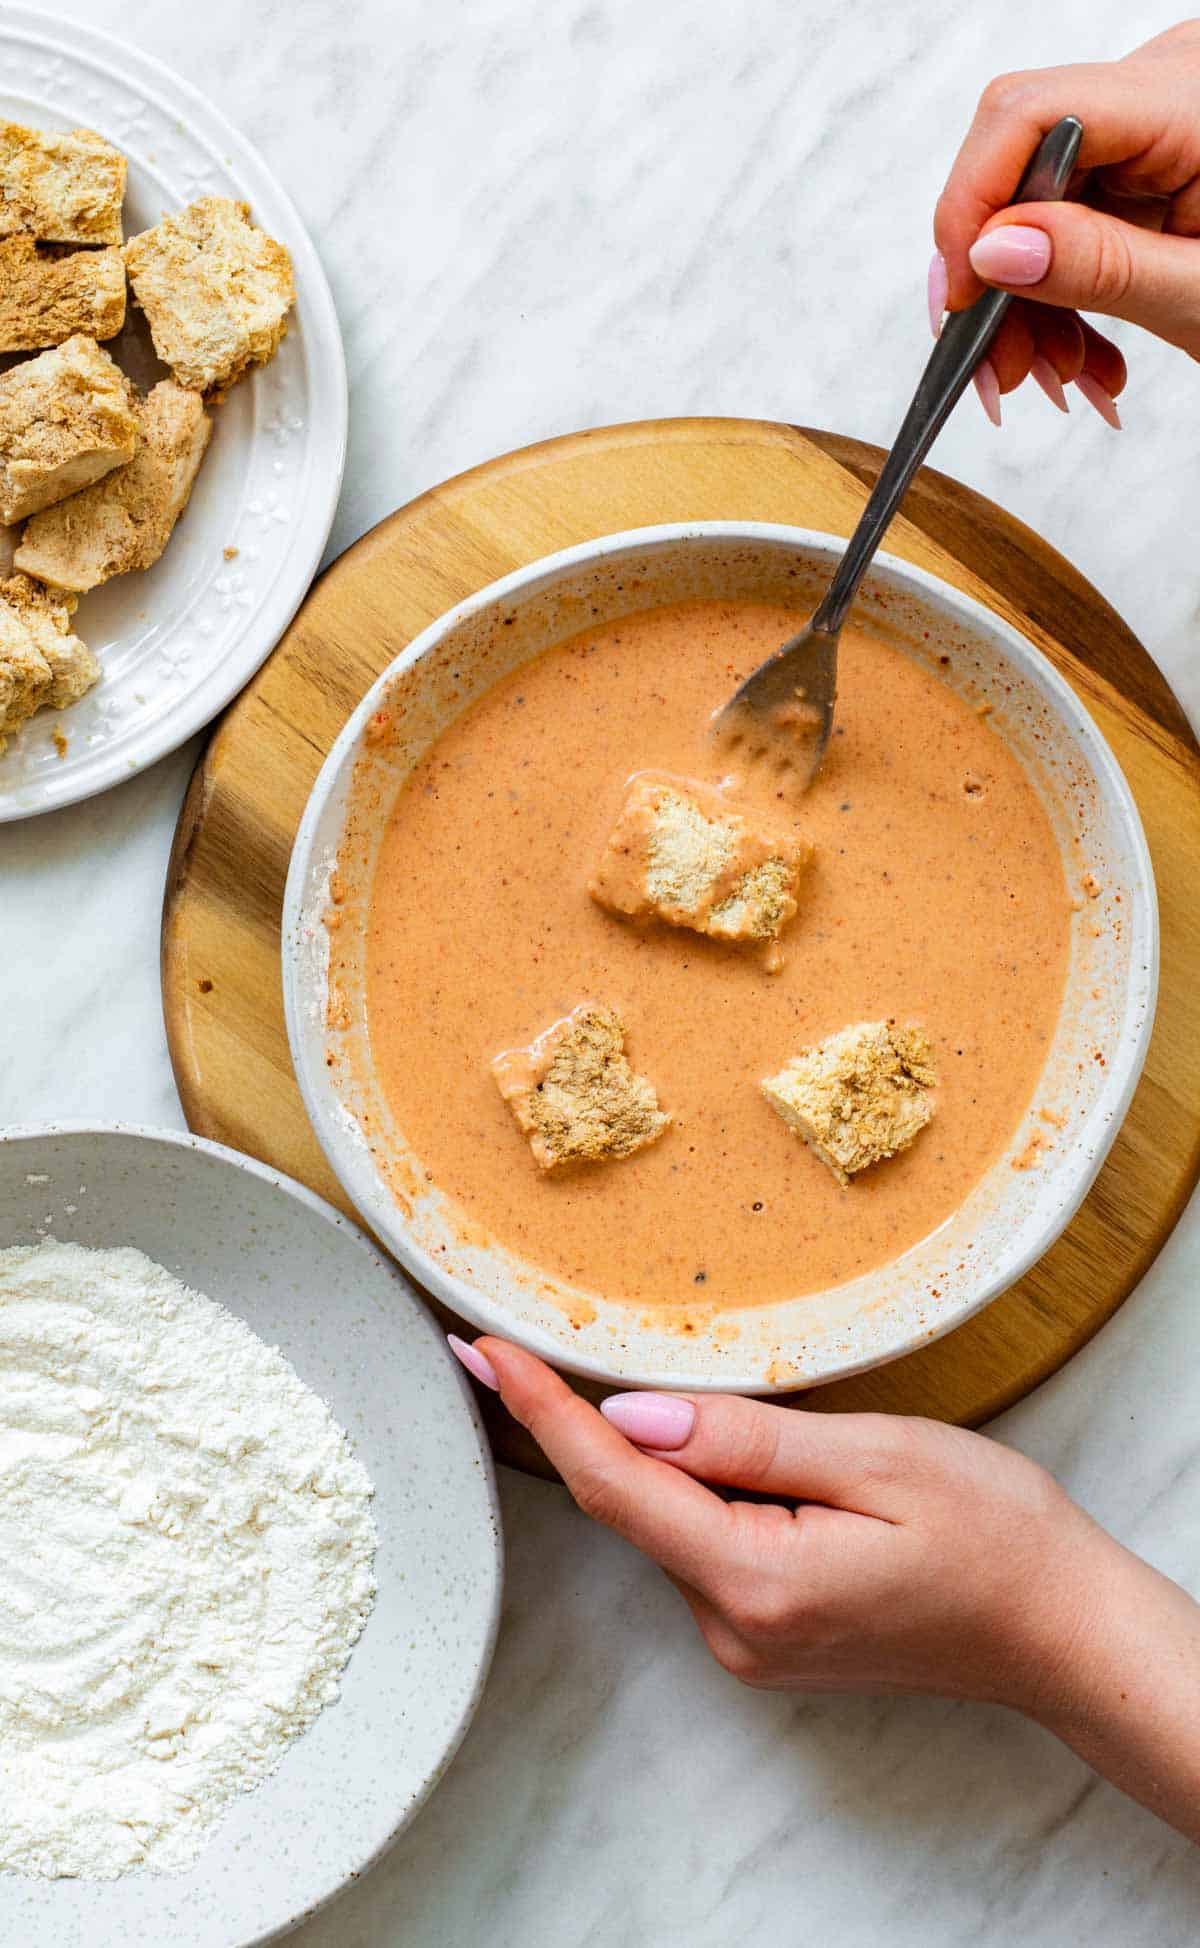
(308, 1283)
(179, 641)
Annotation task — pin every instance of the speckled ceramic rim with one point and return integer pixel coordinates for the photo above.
(289, 1189)
(1067, 1175)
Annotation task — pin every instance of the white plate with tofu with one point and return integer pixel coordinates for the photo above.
(221, 465)
(1002, 1224)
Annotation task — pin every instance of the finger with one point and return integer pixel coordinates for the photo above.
(1103, 361)
(1145, 212)
(689, 1531)
(1057, 351)
(1120, 123)
(705, 1613)
(1057, 338)
(1102, 375)
(841, 1460)
(1068, 255)
(1067, 350)
(1012, 350)
(1182, 217)
(723, 1641)
(1036, 340)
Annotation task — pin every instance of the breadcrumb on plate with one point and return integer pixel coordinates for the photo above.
(125, 521)
(216, 291)
(47, 613)
(47, 294)
(25, 675)
(60, 186)
(67, 418)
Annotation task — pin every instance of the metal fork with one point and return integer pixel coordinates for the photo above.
(784, 710)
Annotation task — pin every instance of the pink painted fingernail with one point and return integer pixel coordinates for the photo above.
(1013, 254)
(937, 286)
(1051, 384)
(650, 1419)
(475, 1362)
(1096, 396)
(987, 385)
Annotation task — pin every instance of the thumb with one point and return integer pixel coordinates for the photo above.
(861, 1463)
(1069, 255)
(677, 1521)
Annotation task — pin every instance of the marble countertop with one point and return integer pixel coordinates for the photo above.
(537, 218)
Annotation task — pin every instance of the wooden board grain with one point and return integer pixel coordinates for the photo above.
(220, 941)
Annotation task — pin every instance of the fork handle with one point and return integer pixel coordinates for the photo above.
(963, 342)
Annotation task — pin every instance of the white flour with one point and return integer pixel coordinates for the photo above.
(186, 1553)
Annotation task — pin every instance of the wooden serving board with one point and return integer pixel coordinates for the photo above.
(220, 941)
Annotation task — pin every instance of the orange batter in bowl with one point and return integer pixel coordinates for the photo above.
(936, 895)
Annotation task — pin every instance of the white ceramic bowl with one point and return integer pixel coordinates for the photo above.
(1008, 1220)
(308, 1282)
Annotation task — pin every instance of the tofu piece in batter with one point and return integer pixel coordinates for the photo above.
(47, 294)
(66, 418)
(61, 187)
(859, 1096)
(575, 1095)
(678, 853)
(125, 521)
(216, 291)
